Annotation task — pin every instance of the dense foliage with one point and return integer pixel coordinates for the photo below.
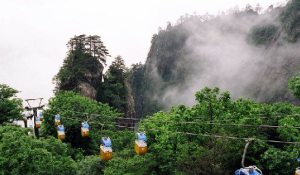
(264, 34)
(295, 86)
(82, 73)
(73, 110)
(71, 107)
(10, 107)
(205, 154)
(113, 90)
(23, 154)
(207, 137)
(181, 141)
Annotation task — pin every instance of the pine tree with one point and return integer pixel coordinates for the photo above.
(114, 91)
(82, 69)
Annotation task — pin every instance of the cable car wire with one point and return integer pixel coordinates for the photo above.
(207, 123)
(229, 124)
(272, 114)
(195, 134)
(226, 137)
(85, 113)
(204, 135)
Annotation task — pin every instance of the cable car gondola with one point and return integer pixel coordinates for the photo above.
(85, 129)
(250, 170)
(41, 116)
(61, 132)
(38, 122)
(57, 120)
(140, 145)
(297, 171)
(105, 148)
(25, 118)
(31, 130)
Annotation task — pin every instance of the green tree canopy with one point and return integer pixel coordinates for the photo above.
(82, 69)
(73, 110)
(201, 153)
(295, 86)
(91, 45)
(23, 154)
(10, 108)
(114, 90)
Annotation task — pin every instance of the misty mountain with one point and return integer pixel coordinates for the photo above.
(249, 53)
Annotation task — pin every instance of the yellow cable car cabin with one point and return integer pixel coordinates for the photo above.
(61, 132)
(297, 171)
(105, 148)
(140, 144)
(57, 120)
(85, 129)
(25, 118)
(41, 116)
(38, 122)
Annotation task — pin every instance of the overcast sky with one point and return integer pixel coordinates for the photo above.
(34, 33)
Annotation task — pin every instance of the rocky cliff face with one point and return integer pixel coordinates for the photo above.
(130, 101)
(90, 86)
(81, 73)
(130, 113)
(252, 55)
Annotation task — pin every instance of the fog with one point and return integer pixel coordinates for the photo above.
(221, 54)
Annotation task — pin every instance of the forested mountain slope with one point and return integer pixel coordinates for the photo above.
(82, 72)
(82, 68)
(250, 53)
